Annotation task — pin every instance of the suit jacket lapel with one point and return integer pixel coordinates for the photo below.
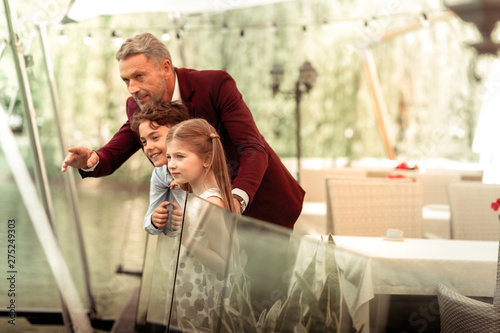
(186, 90)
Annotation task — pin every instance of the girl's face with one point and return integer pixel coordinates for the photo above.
(185, 165)
(153, 141)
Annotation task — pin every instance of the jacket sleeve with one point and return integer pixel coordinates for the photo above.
(124, 144)
(118, 150)
(241, 128)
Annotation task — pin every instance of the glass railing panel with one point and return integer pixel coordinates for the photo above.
(208, 267)
(236, 274)
(35, 287)
(158, 276)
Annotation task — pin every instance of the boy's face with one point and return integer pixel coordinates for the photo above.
(153, 141)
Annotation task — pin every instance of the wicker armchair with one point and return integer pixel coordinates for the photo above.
(368, 207)
(471, 215)
(434, 186)
(313, 180)
(463, 314)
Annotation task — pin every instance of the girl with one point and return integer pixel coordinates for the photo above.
(196, 158)
(207, 265)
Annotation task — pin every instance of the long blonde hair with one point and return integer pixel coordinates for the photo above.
(204, 140)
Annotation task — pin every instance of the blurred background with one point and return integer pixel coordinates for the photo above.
(431, 98)
(431, 81)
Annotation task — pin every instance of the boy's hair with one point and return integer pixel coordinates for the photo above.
(203, 140)
(147, 44)
(165, 114)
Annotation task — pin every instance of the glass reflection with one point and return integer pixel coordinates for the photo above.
(207, 268)
(228, 273)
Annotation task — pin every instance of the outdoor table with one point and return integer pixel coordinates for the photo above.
(374, 265)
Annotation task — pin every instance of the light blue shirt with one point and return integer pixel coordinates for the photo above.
(159, 192)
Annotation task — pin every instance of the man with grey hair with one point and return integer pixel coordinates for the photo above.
(262, 186)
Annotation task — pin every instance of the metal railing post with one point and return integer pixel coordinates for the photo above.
(69, 179)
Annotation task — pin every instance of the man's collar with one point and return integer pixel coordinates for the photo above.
(176, 96)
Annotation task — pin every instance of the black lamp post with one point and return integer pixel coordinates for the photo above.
(305, 82)
(277, 76)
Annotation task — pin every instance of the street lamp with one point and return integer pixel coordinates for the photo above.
(305, 82)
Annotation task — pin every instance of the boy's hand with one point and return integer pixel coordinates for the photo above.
(160, 215)
(177, 217)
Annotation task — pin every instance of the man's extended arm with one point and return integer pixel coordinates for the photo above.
(107, 159)
(119, 149)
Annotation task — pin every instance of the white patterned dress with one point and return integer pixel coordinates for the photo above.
(198, 286)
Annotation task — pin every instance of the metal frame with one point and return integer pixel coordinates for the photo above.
(374, 83)
(39, 201)
(69, 179)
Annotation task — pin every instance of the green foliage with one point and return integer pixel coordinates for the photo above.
(303, 311)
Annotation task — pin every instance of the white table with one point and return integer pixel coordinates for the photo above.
(372, 265)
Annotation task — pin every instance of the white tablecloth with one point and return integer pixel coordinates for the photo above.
(417, 266)
(372, 265)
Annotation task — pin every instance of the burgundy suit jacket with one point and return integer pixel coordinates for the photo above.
(275, 196)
